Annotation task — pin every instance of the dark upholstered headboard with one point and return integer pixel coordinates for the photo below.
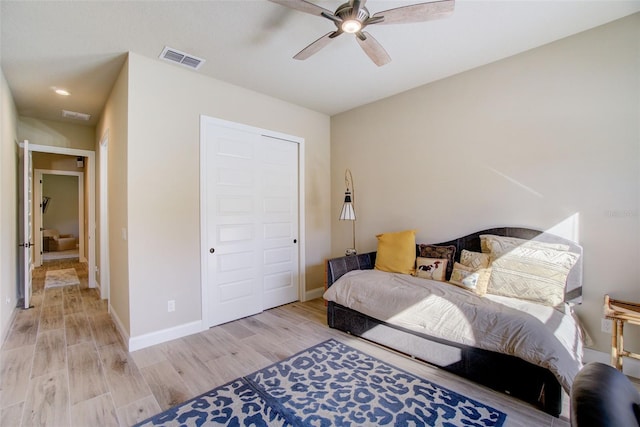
(337, 267)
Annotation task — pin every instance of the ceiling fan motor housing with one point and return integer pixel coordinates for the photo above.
(345, 12)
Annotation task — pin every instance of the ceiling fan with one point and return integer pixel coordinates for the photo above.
(352, 17)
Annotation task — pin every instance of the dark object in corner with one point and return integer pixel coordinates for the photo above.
(602, 396)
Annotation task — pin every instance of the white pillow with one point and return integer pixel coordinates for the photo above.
(530, 273)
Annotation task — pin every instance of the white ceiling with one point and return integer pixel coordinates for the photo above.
(81, 46)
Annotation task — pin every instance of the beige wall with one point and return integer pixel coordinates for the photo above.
(62, 210)
(60, 162)
(115, 121)
(57, 134)
(536, 140)
(165, 104)
(8, 220)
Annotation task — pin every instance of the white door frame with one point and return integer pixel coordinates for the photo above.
(37, 214)
(105, 288)
(25, 257)
(204, 249)
(91, 193)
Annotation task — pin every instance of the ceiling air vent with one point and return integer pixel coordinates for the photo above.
(75, 115)
(182, 58)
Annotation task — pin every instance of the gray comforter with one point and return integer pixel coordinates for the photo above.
(545, 336)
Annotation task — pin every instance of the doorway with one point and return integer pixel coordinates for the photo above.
(87, 223)
(59, 222)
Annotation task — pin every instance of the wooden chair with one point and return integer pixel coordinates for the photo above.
(620, 312)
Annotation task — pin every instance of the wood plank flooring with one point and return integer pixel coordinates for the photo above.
(63, 363)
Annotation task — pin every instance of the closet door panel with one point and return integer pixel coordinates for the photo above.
(279, 221)
(234, 271)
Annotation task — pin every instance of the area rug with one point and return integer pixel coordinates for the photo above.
(57, 278)
(330, 384)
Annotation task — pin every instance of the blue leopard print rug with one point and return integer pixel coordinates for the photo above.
(330, 384)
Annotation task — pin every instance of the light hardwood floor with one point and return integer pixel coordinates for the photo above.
(64, 364)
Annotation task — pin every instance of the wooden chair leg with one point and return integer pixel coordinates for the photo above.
(619, 329)
(614, 343)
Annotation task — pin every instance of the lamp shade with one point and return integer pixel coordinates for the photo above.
(347, 213)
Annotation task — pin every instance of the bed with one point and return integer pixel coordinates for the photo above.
(462, 332)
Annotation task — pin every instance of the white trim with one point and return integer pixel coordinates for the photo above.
(105, 291)
(203, 217)
(313, 294)
(158, 337)
(302, 261)
(37, 201)
(91, 178)
(630, 367)
(119, 326)
(12, 318)
(204, 276)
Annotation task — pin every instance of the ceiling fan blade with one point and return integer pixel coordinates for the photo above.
(416, 12)
(303, 6)
(356, 7)
(373, 49)
(315, 46)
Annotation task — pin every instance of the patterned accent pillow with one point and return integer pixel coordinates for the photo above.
(496, 245)
(534, 274)
(475, 260)
(431, 268)
(474, 280)
(396, 252)
(440, 252)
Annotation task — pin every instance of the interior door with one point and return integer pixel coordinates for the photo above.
(233, 264)
(26, 223)
(250, 221)
(279, 227)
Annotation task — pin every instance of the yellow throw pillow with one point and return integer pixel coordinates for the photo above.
(397, 252)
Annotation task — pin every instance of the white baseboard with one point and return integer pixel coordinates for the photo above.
(119, 325)
(313, 294)
(153, 338)
(630, 367)
(7, 327)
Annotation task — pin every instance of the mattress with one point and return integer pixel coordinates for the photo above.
(550, 337)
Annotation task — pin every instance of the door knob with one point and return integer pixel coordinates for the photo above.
(211, 250)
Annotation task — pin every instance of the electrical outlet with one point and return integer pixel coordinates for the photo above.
(606, 326)
(171, 306)
(8, 300)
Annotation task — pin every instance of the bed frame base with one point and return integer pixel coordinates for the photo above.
(504, 373)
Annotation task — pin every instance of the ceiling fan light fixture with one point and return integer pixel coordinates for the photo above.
(351, 26)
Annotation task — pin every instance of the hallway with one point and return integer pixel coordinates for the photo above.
(64, 364)
(50, 358)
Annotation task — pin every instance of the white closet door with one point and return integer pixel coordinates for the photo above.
(235, 246)
(250, 221)
(279, 226)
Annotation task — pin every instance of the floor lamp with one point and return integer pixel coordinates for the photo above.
(348, 212)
